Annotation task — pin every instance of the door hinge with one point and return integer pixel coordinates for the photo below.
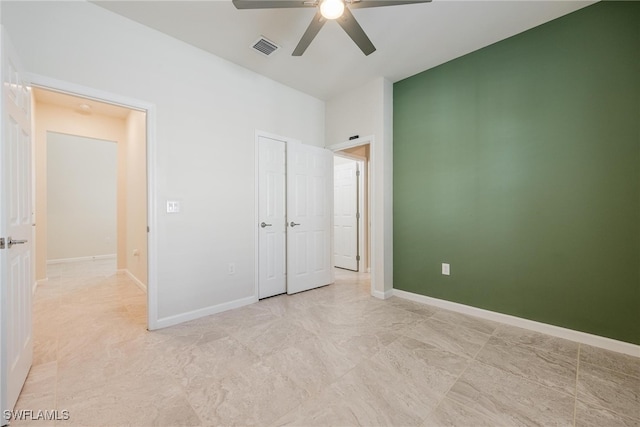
(358, 215)
(2, 243)
(147, 228)
(357, 173)
(357, 257)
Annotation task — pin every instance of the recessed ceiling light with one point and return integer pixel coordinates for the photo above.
(84, 109)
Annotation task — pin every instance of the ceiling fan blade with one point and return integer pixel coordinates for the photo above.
(355, 31)
(308, 36)
(359, 4)
(273, 4)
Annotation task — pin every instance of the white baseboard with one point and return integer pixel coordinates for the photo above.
(202, 312)
(134, 279)
(556, 331)
(383, 295)
(79, 259)
(37, 283)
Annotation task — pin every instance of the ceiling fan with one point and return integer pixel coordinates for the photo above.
(327, 10)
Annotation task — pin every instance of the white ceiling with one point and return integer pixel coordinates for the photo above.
(409, 38)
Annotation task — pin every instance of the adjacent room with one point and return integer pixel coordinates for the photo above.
(336, 212)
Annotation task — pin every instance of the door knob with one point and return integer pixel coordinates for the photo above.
(293, 224)
(12, 242)
(264, 224)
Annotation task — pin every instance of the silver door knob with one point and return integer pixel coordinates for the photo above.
(293, 224)
(264, 224)
(12, 242)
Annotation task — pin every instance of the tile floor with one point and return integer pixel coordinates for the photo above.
(332, 356)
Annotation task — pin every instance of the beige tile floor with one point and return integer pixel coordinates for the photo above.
(333, 356)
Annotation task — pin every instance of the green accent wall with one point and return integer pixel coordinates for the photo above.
(519, 164)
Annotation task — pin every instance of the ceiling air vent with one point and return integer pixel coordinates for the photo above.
(264, 46)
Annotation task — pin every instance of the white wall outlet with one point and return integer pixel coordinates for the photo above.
(173, 206)
(232, 268)
(446, 269)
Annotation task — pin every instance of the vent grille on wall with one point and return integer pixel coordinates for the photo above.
(264, 46)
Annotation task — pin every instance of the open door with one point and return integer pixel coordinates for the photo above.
(346, 220)
(309, 217)
(16, 257)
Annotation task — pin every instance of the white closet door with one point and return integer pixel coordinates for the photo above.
(272, 216)
(309, 216)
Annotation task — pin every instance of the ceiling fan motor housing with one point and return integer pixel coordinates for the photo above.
(328, 10)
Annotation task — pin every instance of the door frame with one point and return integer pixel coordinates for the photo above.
(256, 210)
(373, 192)
(150, 110)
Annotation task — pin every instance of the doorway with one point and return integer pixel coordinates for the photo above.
(348, 206)
(81, 215)
(353, 161)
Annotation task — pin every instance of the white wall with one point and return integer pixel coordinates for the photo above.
(353, 113)
(368, 111)
(207, 112)
(81, 196)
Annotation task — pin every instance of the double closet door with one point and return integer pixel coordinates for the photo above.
(295, 204)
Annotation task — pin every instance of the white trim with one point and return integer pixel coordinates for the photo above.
(373, 190)
(353, 157)
(135, 280)
(69, 88)
(152, 221)
(150, 109)
(37, 283)
(363, 140)
(556, 331)
(383, 295)
(202, 312)
(80, 259)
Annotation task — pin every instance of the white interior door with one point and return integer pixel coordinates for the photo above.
(272, 278)
(345, 219)
(309, 217)
(15, 227)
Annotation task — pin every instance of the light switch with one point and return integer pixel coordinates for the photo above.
(173, 206)
(445, 269)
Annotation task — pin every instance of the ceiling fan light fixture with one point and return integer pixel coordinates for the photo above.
(332, 9)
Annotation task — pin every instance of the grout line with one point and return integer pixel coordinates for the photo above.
(524, 378)
(470, 361)
(575, 400)
(614, 371)
(444, 395)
